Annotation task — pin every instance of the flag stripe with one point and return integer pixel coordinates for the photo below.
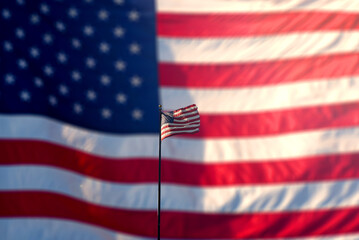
(305, 223)
(258, 6)
(234, 199)
(250, 24)
(144, 170)
(71, 230)
(208, 150)
(53, 228)
(254, 99)
(278, 122)
(258, 73)
(174, 132)
(245, 49)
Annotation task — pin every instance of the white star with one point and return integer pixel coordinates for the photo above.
(118, 31)
(47, 38)
(103, 15)
(90, 62)
(91, 95)
(120, 65)
(34, 18)
(63, 89)
(88, 30)
(20, 2)
(134, 15)
(20, 33)
(105, 79)
(78, 108)
(10, 78)
(6, 14)
(136, 81)
(104, 47)
(8, 46)
(76, 43)
(76, 75)
(52, 100)
(34, 52)
(38, 82)
(44, 8)
(48, 70)
(135, 48)
(62, 57)
(137, 114)
(73, 12)
(106, 113)
(121, 98)
(60, 26)
(119, 2)
(25, 96)
(22, 63)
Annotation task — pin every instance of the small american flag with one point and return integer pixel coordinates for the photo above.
(183, 120)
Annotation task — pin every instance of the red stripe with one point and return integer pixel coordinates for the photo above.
(252, 24)
(142, 170)
(179, 224)
(258, 73)
(278, 122)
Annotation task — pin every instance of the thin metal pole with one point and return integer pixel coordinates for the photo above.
(159, 181)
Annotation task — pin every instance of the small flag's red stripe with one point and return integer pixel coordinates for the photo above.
(297, 223)
(253, 24)
(144, 170)
(258, 73)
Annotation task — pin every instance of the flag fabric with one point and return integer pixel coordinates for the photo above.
(277, 86)
(183, 120)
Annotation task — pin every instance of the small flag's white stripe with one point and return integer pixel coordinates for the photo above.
(57, 229)
(229, 199)
(179, 112)
(253, 99)
(259, 48)
(175, 120)
(177, 132)
(166, 125)
(270, 148)
(185, 114)
(178, 126)
(254, 6)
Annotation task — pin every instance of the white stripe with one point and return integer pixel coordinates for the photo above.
(175, 120)
(270, 148)
(252, 49)
(185, 114)
(253, 99)
(170, 125)
(256, 6)
(108, 145)
(179, 112)
(178, 126)
(55, 229)
(172, 132)
(224, 199)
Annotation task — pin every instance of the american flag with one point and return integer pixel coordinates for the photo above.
(275, 81)
(183, 120)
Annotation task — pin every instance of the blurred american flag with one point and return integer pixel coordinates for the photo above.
(275, 81)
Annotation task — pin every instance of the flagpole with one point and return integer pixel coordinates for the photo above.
(159, 180)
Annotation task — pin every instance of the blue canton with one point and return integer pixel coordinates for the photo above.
(90, 63)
